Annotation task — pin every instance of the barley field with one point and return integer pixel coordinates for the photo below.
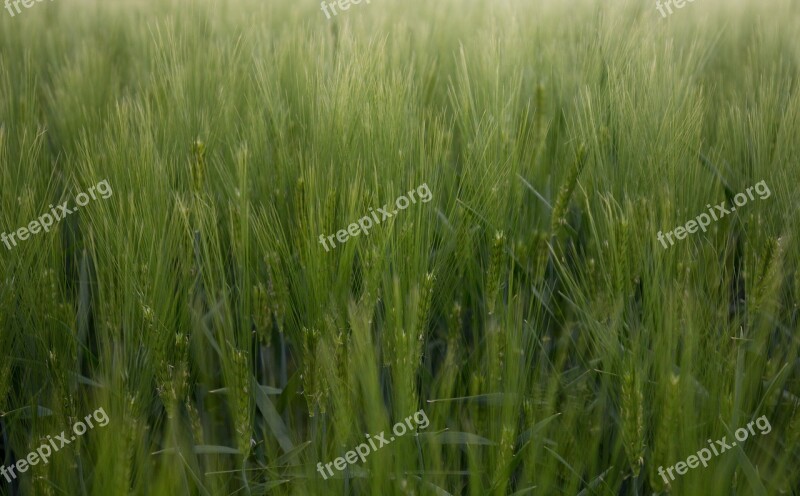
(209, 285)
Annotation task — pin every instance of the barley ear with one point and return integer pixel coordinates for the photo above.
(562, 200)
(5, 376)
(495, 271)
(128, 448)
(194, 421)
(311, 376)
(661, 453)
(632, 415)
(793, 432)
(770, 276)
(261, 313)
(198, 165)
(622, 273)
(242, 412)
(454, 323)
(542, 250)
(797, 287)
(423, 311)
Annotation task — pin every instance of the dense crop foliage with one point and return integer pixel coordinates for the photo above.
(555, 345)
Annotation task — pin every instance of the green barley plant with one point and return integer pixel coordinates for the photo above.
(528, 309)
